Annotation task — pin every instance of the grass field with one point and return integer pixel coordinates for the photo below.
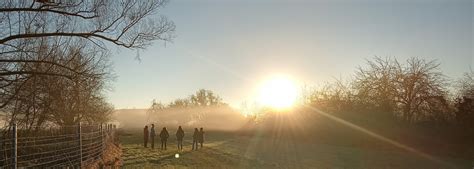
(231, 150)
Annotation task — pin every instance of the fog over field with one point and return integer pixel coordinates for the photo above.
(213, 118)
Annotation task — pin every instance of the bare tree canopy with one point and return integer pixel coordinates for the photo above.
(202, 98)
(466, 85)
(410, 89)
(205, 97)
(34, 100)
(54, 56)
(125, 23)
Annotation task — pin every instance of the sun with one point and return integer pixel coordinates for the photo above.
(278, 93)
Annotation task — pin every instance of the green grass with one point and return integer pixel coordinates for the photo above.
(230, 150)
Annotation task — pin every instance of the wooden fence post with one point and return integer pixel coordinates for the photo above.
(102, 138)
(79, 131)
(14, 147)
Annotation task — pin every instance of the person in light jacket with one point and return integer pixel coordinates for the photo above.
(152, 136)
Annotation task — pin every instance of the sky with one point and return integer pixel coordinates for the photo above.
(231, 46)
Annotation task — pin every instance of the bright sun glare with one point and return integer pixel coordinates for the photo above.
(278, 92)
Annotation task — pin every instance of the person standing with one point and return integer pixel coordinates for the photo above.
(201, 137)
(195, 138)
(164, 137)
(145, 135)
(152, 136)
(179, 137)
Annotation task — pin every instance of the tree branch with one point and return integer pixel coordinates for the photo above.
(33, 73)
(70, 34)
(76, 14)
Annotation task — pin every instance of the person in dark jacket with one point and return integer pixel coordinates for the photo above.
(152, 136)
(145, 135)
(201, 136)
(164, 137)
(179, 137)
(195, 138)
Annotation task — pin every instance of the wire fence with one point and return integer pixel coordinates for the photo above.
(65, 146)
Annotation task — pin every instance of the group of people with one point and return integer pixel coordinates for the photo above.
(198, 137)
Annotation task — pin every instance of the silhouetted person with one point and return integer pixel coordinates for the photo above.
(195, 138)
(145, 136)
(201, 137)
(164, 137)
(179, 137)
(152, 135)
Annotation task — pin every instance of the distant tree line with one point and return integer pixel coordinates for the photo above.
(192, 108)
(202, 98)
(415, 91)
(54, 61)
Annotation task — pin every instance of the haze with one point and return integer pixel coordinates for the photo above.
(231, 46)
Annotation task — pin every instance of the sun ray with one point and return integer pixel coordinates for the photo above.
(379, 137)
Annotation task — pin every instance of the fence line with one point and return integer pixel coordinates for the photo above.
(73, 146)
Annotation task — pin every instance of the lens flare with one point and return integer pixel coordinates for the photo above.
(279, 93)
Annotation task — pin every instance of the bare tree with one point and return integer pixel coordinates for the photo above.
(335, 97)
(154, 109)
(465, 85)
(180, 103)
(418, 83)
(205, 98)
(375, 84)
(464, 102)
(407, 89)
